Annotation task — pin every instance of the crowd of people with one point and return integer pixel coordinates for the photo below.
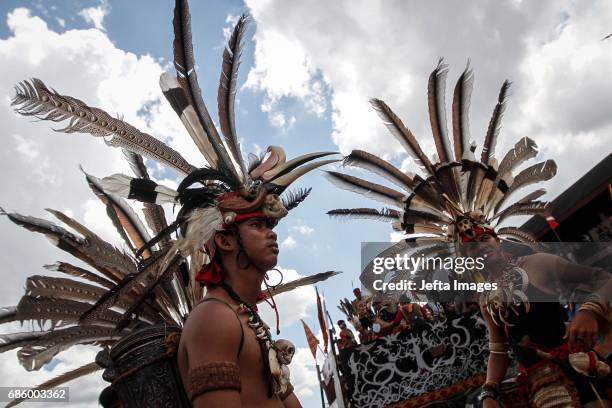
(374, 319)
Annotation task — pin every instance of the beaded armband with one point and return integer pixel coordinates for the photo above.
(220, 375)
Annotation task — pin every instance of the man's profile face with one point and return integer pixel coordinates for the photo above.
(259, 242)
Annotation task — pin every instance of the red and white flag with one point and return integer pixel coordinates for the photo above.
(552, 221)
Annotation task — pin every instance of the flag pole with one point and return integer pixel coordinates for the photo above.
(320, 384)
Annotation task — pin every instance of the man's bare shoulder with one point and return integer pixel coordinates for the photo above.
(543, 261)
(214, 330)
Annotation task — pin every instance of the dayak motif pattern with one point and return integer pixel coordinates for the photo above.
(409, 364)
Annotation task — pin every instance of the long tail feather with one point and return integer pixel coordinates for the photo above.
(105, 255)
(523, 150)
(488, 148)
(96, 252)
(403, 135)
(516, 234)
(42, 350)
(385, 214)
(227, 90)
(68, 289)
(366, 188)
(380, 167)
(60, 312)
(289, 286)
(178, 99)
(33, 98)
(184, 63)
(528, 208)
(533, 174)
(532, 196)
(461, 108)
(72, 270)
(436, 89)
(10, 341)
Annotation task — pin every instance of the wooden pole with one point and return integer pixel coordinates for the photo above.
(320, 385)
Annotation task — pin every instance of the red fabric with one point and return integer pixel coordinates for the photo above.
(478, 231)
(561, 352)
(313, 342)
(552, 222)
(592, 362)
(246, 216)
(210, 274)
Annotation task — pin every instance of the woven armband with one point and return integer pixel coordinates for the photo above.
(287, 392)
(220, 375)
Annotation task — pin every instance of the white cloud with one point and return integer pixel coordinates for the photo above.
(302, 229)
(289, 243)
(283, 70)
(95, 15)
(280, 121)
(303, 373)
(291, 305)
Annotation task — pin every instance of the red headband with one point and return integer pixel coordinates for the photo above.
(476, 232)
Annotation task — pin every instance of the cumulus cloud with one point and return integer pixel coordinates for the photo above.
(289, 243)
(303, 373)
(283, 69)
(95, 15)
(302, 229)
(550, 50)
(279, 120)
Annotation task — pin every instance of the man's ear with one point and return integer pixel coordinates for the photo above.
(224, 242)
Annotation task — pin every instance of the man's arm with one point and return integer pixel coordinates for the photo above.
(497, 365)
(583, 330)
(212, 339)
(292, 402)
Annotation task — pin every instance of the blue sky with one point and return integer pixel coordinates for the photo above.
(308, 69)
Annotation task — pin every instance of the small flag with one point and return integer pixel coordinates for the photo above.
(552, 221)
(322, 321)
(313, 342)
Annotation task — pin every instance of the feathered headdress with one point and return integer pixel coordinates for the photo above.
(156, 282)
(458, 197)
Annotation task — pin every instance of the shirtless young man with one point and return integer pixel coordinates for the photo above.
(217, 330)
